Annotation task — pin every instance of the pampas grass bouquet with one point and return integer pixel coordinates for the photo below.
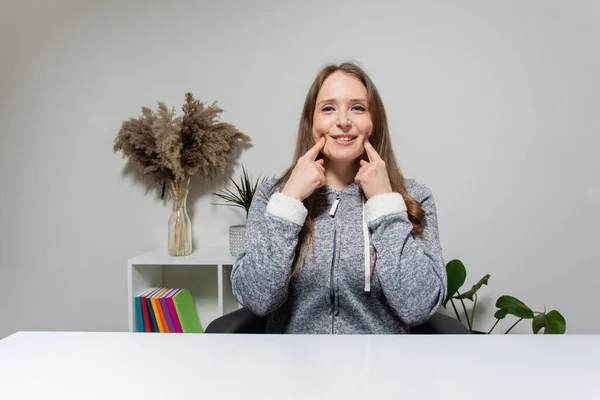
(171, 149)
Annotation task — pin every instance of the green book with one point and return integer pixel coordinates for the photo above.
(186, 311)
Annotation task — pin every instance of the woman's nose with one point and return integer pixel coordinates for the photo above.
(343, 122)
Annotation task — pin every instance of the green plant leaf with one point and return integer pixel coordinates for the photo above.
(555, 323)
(230, 197)
(457, 274)
(539, 322)
(242, 193)
(511, 305)
(471, 292)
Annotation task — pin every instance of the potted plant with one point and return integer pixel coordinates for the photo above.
(239, 195)
(552, 322)
(171, 149)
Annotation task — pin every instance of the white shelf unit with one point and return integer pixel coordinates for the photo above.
(205, 272)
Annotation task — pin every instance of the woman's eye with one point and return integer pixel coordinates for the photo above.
(328, 108)
(359, 108)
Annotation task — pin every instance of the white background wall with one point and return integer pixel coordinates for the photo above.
(494, 106)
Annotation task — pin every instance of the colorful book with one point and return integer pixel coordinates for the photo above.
(151, 317)
(155, 308)
(141, 310)
(186, 311)
(173, 312)
(139, 315)
(161, 311)
(153, 323)
(165, 309)
(161, 314)
(148, 311)
(145, 314)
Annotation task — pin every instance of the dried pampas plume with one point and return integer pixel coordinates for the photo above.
(172, 148)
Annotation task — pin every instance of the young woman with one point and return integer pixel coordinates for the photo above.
(342, 243)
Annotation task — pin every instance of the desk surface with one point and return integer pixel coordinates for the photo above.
(80, 365)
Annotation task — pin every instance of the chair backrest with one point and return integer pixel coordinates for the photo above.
(243, 321)
(239, 321)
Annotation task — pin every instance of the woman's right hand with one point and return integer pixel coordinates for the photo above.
(307, 175)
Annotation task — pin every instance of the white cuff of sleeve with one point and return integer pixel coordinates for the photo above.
(287, 208)
(384, 204)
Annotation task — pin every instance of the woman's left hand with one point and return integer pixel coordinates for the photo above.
(372, 176)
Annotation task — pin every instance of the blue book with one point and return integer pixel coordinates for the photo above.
(139, 310)
(138, 314)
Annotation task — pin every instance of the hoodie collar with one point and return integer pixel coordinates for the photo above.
(351, 190)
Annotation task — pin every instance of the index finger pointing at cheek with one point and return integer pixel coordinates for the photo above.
(314, 151)
(371, 152)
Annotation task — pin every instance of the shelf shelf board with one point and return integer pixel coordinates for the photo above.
(160, 256)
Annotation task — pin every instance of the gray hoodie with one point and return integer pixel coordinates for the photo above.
(333, 292)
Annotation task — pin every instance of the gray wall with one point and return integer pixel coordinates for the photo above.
(494, 106)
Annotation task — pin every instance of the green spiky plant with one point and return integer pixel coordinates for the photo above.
(240, 194)
(552, 322)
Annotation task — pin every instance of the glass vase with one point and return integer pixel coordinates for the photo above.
(180, 227)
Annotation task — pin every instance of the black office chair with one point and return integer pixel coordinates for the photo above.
(243, 321)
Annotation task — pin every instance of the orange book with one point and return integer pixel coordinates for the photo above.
(155, 308)
(159, 306)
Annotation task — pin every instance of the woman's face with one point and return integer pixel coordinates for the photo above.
(342, 115)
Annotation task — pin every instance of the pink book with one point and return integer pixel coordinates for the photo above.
(165, 309)
(172, 311)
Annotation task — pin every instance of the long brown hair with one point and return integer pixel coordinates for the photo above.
(380, 139)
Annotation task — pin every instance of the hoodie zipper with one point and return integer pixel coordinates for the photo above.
(332, 294)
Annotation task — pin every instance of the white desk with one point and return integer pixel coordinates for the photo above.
(72, 365)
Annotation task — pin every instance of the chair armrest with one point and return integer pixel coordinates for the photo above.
(440, 324)
(239, 321)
